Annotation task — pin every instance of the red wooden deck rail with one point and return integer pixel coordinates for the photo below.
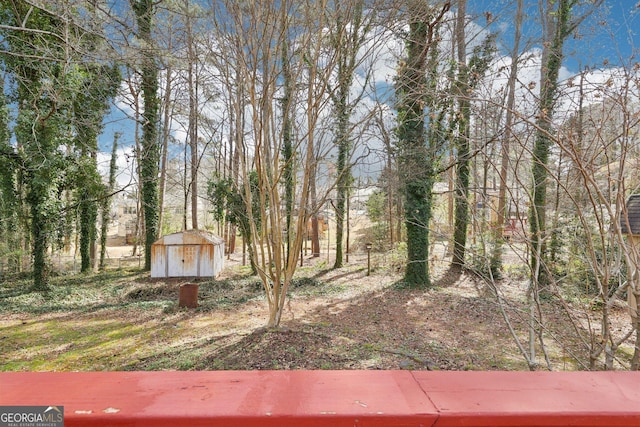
(331, 398)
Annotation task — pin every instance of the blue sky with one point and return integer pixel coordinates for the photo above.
(611, 33)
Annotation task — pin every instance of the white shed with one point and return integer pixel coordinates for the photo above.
(190, 253)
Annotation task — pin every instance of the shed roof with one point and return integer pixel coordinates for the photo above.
(630, 223)
(190, 237)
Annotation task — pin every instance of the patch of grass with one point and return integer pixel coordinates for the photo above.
(518, 271)
(67, 343)
(80, 292)
(227, 293)
(152, 292)
(303, 282)
(312, 286)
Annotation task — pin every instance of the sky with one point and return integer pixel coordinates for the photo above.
(610, 33)
(608, 39)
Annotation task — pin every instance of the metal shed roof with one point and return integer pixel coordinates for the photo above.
(630, 223)
(190, 237)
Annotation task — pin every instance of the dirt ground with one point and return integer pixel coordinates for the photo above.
(360, 321)
(334, 319)
(354, 322)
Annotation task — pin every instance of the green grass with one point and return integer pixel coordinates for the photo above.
(83, 292)
(108, 321)
(101, 321)
(122, 320)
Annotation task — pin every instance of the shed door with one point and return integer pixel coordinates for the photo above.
(183, 260)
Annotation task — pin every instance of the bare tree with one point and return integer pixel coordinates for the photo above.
(256, 49)
(496, 256)
(349, 34)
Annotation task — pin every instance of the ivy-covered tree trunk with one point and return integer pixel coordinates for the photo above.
(40, 235)
(350, 29)
(343, 168)
(42, 91)
(559, 24)
(42, 177)
(287, 135)
(9, 206)
(150, 149)
(88, 220)
(463, 117)
(410, 92)
(416, 170)
(97, 85)
(344, 173)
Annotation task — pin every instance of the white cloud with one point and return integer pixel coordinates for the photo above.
(597, 86)
(125, 164)
(379, 55)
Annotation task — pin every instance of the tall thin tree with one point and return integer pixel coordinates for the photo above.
(560, 23)
(150, 149)
(98, 85)
(105, 202)
(43, 73)
(462, 120)
(496, 256)
(350, 34)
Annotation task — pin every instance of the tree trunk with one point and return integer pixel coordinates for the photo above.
(150, 155)
(496, 256)
(106, 201)
(138, 227)
(42, 100)
(558, 27)
(347, 41)
(166, 128)
(40, 236)
(412, 156)
(9, 205)
(417, 174)
(552, 54)
(343, 177)
(287, 134)
(461, 210)
(98, 85)
(88, 219)
(343, 169)
(315, 232)
(193, 116)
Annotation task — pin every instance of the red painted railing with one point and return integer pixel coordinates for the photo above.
(331, 398)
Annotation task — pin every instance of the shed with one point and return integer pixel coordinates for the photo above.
(630, 225)
(190, 253)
